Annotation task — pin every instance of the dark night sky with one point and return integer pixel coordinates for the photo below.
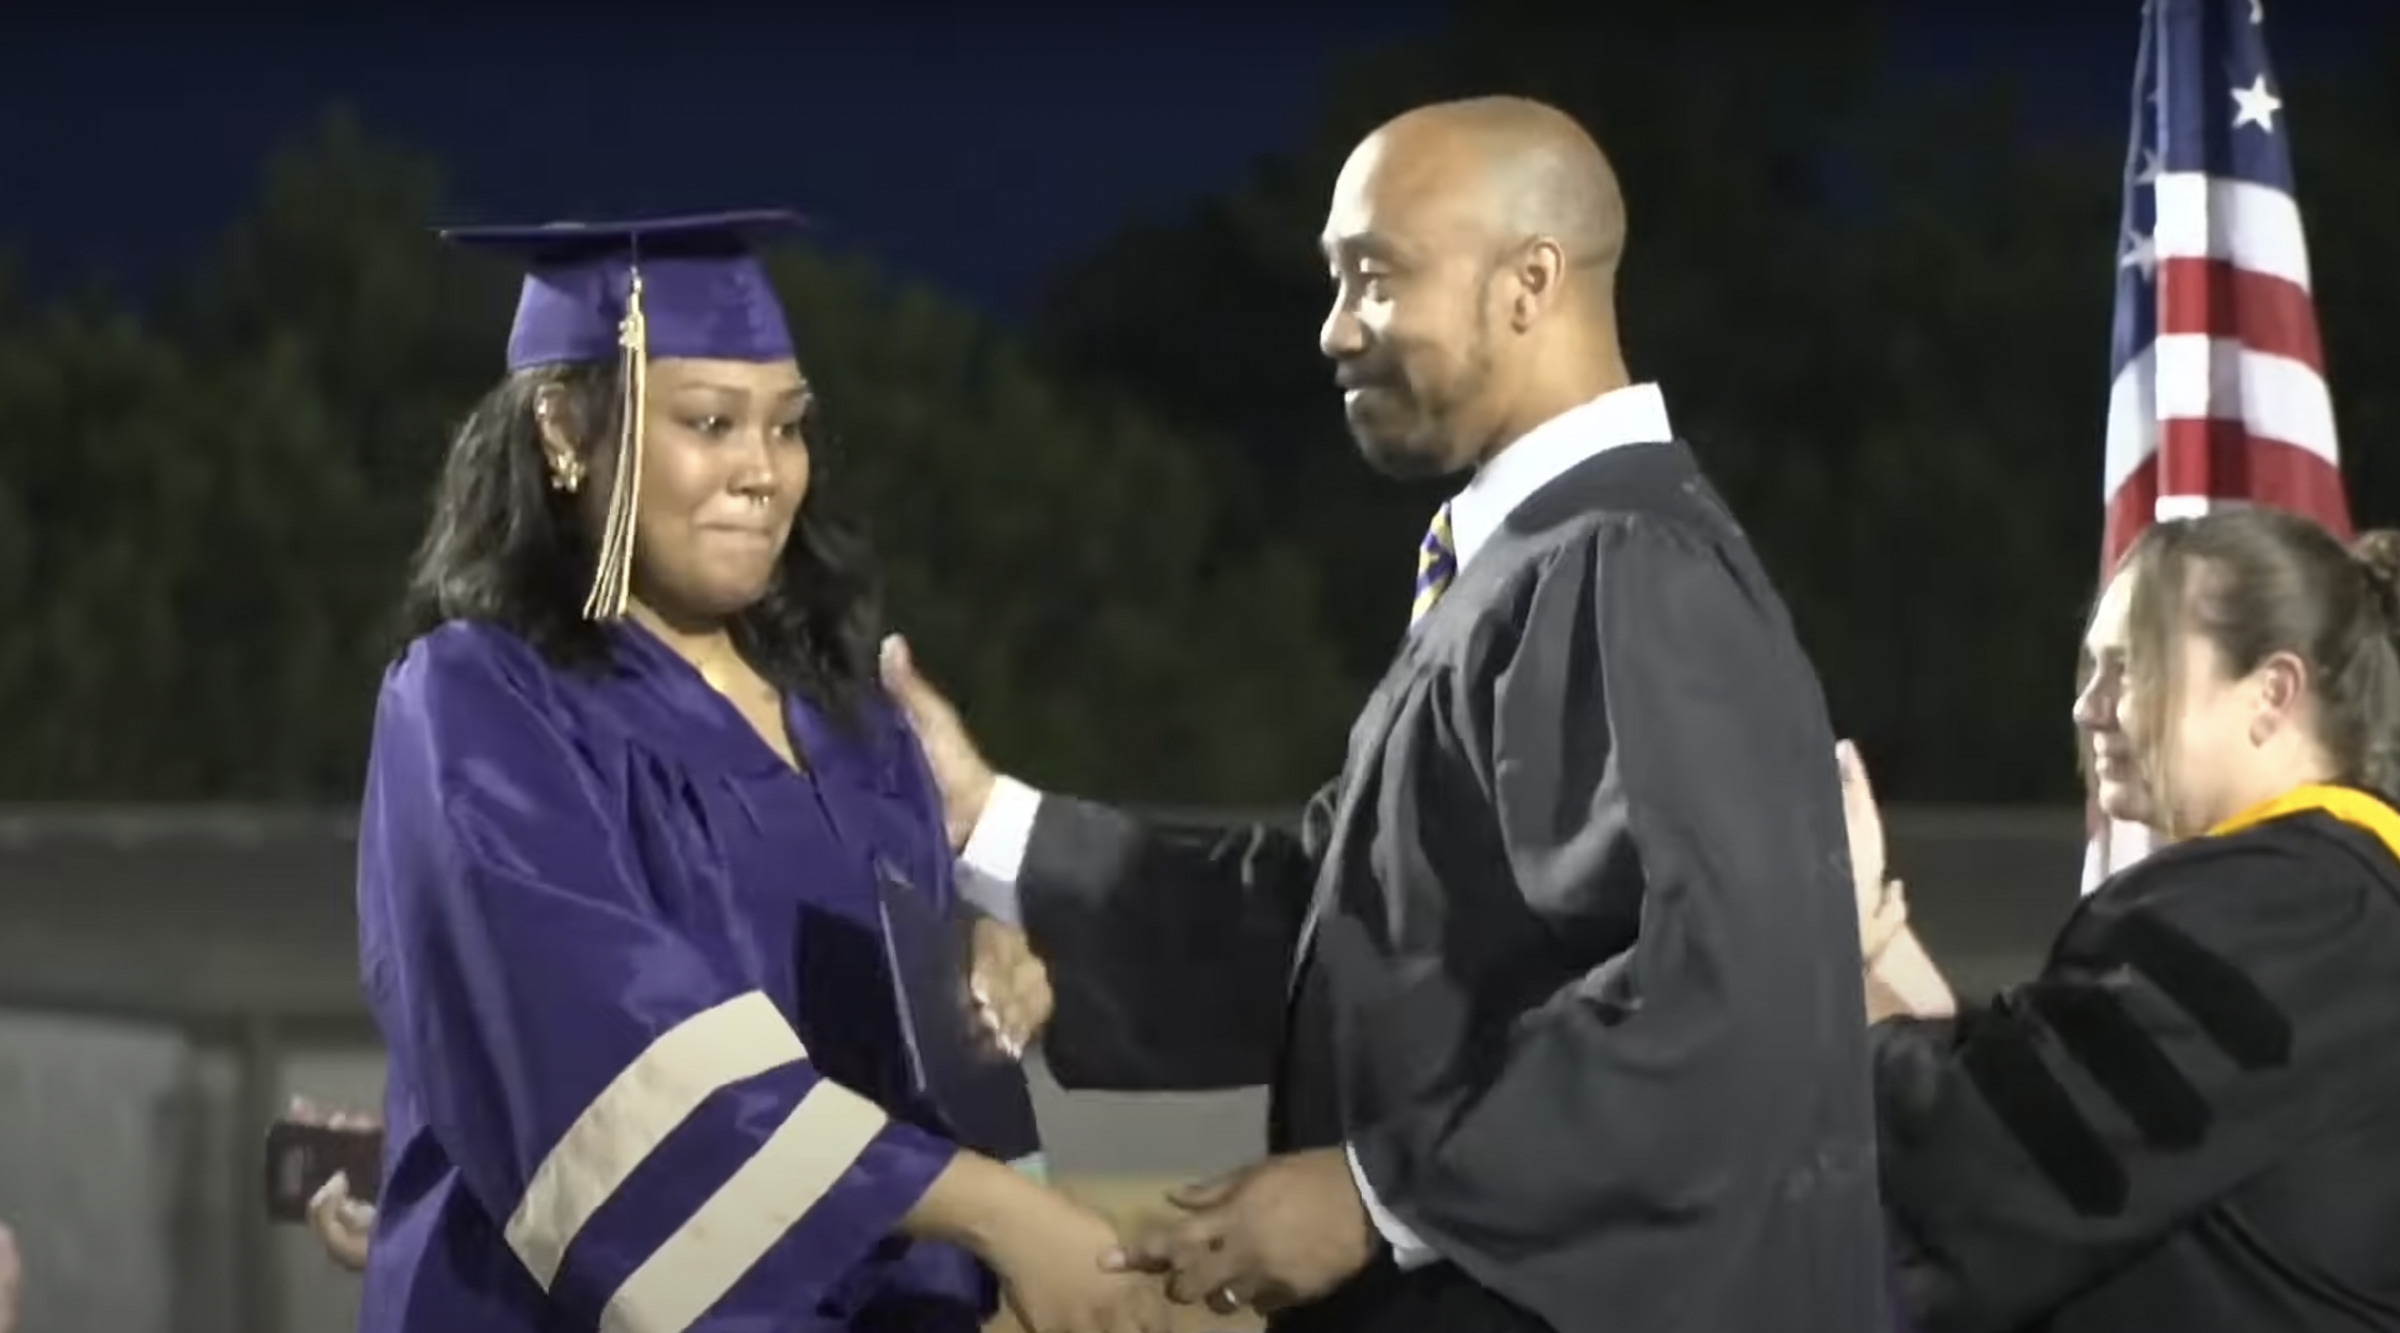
(976, 153)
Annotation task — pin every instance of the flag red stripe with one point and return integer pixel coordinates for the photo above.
(2239, 466)
(2263, 312)
(2243, 466)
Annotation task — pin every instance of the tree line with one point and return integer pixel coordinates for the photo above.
(1133, 538)
(205, 512)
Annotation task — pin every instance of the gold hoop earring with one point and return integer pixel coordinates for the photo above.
(566, 473)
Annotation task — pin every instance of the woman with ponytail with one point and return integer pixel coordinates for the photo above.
(2190, 1120)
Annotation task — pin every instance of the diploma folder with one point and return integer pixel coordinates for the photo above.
(971, 1083)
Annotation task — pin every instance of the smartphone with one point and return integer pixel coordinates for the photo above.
(301, 1157)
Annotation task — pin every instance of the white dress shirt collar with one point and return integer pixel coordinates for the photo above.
(1635, 414)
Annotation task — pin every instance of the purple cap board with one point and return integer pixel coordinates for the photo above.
(705, 295)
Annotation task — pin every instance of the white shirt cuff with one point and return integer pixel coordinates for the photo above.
(995, 852)
(1408, 1250)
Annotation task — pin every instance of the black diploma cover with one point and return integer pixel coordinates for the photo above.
(973, 1085)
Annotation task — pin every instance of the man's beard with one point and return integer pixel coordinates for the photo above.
(1416, 454)
(1394, 432)
(1404, 436)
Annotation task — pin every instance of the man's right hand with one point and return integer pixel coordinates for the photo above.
(1010, 985)
(1051, 1276)
(959, 768)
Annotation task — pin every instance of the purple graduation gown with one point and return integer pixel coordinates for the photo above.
(646, 1071)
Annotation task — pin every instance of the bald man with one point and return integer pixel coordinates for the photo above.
(1557, 987)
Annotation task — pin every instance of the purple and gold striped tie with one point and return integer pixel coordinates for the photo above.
(1437, 564)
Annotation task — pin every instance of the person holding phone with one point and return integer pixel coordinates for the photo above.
(648, 860)
(338, 1211)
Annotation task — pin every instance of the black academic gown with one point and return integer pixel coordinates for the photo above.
(2189, 1123)
(1568, 953)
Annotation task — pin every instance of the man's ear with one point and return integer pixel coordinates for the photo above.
(1541, 277)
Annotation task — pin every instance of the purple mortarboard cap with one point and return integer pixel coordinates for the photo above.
(704, 293)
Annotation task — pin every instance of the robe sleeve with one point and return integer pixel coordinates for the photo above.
(1650, 725)
(1169, 942)
(2198, 1021)
(644, 1129)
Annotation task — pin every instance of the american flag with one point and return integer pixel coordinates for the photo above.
(2219, 394)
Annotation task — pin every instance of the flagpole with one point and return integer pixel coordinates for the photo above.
(2218, 394)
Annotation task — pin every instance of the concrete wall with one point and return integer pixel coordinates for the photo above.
(108, 1174)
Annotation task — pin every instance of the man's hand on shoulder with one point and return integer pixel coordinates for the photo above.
(959, 767)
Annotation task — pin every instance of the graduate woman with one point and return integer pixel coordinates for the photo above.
(638, 834)
(2190, 1120)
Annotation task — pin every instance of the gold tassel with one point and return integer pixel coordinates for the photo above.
(612, 578)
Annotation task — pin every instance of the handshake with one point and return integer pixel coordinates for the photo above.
(1278, 1232)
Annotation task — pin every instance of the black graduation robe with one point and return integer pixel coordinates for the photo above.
(2189, 1122)
(1568, 953)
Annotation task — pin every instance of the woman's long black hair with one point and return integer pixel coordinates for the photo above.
(505, 546)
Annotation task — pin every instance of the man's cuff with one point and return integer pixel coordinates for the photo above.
(995, 852)
(1408, 1250)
